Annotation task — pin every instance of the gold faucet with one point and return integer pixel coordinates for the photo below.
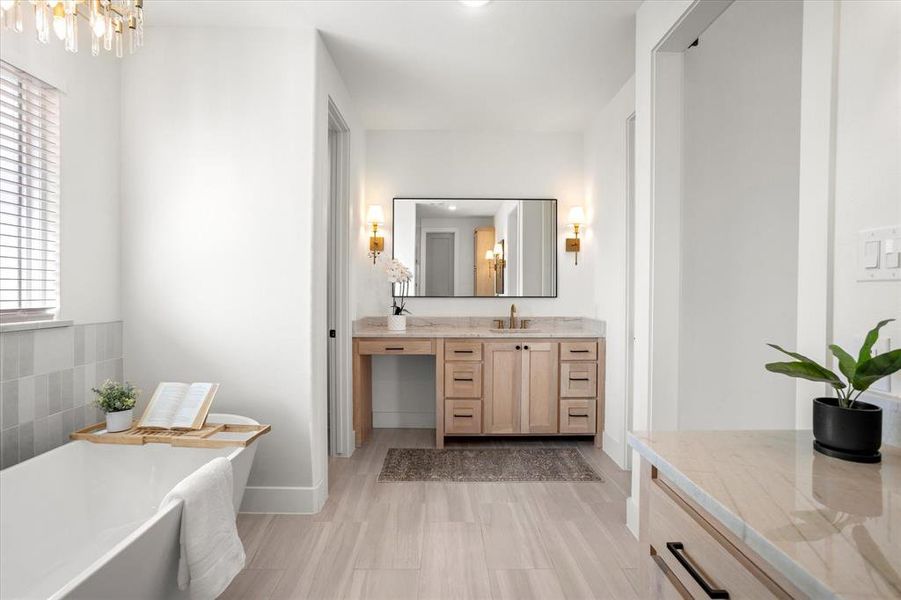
(512, 316)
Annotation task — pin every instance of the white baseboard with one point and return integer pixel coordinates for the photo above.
(403, 420)
(632, 516)
(285, 500)
(615, 450)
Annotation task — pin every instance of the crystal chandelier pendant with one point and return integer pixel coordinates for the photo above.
(118, 35)
(107, 21)
(108, 28)
(42, 21)
(72, 32)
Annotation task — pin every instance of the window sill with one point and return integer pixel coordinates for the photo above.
(31, 325)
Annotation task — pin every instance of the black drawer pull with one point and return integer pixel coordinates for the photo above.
(462, 351)
(677, 549)
(579, 379)
(579, 351)
(394, 347)
(572, 414)
(459, 416)
(462, 378)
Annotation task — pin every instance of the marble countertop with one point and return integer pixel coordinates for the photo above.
(832, 528)
(481, 327)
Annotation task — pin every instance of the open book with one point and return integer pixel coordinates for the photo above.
(179, 405)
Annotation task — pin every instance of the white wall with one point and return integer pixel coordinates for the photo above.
(868, 180)
(739, 217)
(217, 230)
(606, 189)
(89, 177)
(423, 164)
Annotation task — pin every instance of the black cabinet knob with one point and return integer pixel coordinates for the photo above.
(518, 348)
(526, 347)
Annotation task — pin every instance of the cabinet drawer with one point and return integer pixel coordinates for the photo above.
(457, 350)
(463, 380)
(400, 346)
(578, 379)
(578, 350)
(578, 416)
(697, 556)
(462, 416)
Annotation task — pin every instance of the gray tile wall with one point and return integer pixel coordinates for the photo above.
(46, 376)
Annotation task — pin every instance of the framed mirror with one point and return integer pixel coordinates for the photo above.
(477, 247)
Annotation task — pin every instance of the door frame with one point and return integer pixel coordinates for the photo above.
(340, 404)
(423, 267)
(629, 288)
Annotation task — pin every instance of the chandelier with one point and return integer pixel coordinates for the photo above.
(113, 23)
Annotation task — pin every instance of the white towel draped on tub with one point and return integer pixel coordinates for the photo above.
(211, 551)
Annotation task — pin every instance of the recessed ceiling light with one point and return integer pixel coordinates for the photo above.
(452, 207)
(474, 3)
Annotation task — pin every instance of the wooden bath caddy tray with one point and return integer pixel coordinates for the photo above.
(211, 435)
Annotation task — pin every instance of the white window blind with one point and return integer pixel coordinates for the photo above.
(29, 196)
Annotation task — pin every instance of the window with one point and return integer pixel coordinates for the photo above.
(29, 196)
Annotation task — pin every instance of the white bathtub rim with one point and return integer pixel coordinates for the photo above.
(146, 525)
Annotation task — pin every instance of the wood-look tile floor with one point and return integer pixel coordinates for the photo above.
(425, 540)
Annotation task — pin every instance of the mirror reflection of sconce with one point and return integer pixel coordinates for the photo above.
(375, 216)
(576, 219)
(496, 264)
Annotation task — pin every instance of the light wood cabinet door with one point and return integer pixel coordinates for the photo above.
(502, 387)
(539, 393)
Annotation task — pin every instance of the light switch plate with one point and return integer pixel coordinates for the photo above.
(879, 254)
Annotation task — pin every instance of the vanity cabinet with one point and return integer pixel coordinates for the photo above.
(508, 385)
(530, 386)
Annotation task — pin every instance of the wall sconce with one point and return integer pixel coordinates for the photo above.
(489, 256)
(375, 216)
(576, 219)
(496, 264)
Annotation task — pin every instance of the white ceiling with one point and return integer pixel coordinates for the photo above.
(539, 65)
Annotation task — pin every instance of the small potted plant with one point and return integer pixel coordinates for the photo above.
(117, 400)
(399, 276)
(845, 427)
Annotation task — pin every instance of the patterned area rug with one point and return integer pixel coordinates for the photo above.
(486, 464)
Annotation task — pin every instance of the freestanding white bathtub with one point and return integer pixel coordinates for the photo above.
(82, 521)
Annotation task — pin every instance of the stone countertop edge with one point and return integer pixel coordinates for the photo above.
(792, 571)
(586, 328)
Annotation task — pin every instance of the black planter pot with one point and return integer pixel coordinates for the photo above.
(853, 434)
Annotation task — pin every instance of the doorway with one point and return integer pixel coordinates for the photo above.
(439, 263)
(340, 436)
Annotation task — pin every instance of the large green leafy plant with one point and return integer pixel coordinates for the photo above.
(860, 372)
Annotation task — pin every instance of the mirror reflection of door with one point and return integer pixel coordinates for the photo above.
(439, 267)
(483, 243)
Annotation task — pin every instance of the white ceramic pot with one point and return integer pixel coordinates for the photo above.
(118, 421)
(397, 322)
